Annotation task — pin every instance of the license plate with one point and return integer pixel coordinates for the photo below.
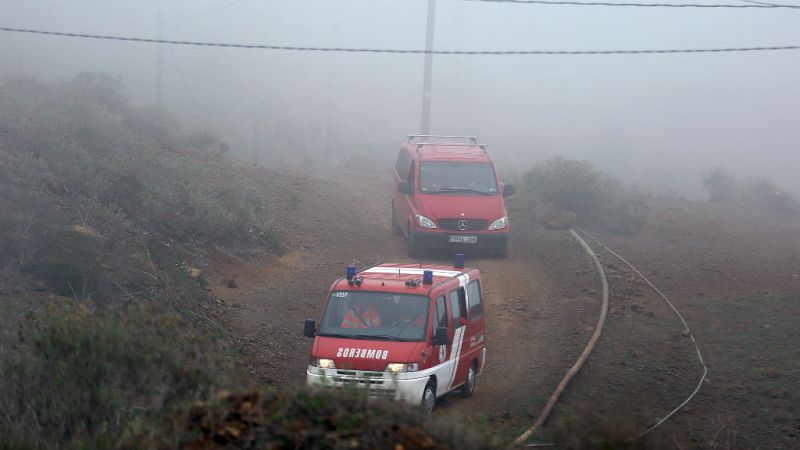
(463, 239)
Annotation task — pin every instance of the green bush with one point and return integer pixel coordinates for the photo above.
(104, 379)
(595, 197)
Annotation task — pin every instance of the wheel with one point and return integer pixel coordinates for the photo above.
(395, 226)
(413, 245)
(428, 397)
(468, 388)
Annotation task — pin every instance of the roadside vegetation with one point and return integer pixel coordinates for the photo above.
(562, 191)
(721, 185)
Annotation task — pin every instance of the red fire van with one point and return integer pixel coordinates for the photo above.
(406, 331)
(447, 194)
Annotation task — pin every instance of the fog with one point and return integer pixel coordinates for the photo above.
(656, 120)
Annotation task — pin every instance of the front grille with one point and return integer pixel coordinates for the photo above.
(353, 377)
(471, 224)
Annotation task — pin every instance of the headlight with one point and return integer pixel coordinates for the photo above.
(323, 363)
(499, 224)
(424, 222)
(402, 367)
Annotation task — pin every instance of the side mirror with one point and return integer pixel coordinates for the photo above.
(404, 188)
(440, 338)
(508, 190)
(310, 328)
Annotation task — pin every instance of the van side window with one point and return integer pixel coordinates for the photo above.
(475, 301)
(441, 313)
(412, 174)
(455, 307)
(403, 160)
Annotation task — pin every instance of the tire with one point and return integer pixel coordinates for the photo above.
(468, 388)
(428, 401)
(395, 226)
(413, 246)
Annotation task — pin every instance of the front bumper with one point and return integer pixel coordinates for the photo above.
(439, 240)
(407, 386)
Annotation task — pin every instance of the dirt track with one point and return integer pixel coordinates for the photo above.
(542, 299)
(543, 302)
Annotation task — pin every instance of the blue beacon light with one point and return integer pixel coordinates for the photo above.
(459, 263)
(351, 272)
(427, 277)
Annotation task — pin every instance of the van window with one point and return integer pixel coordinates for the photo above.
(455, 307)
(441, 313)
(403, 160)
(475, 301)
(411, 175)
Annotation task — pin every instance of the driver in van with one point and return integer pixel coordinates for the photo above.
(361, 315)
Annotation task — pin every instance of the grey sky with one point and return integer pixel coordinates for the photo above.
(659, 120)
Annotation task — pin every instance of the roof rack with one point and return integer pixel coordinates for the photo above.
(451, 144)
(456, 139)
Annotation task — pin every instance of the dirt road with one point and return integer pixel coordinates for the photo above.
(543, 299)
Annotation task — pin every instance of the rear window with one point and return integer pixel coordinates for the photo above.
(444, 177)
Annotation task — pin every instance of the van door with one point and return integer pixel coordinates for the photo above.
(443, 354)
(474, 338)
(457, 300)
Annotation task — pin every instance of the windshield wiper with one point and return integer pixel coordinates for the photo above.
(449, 189)
(346, 336)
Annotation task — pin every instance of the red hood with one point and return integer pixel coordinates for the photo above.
(357, 354)
(442, 206)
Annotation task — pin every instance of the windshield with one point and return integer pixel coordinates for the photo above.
(437, 177)
(375, 315)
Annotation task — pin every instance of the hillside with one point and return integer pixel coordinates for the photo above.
(153, 289)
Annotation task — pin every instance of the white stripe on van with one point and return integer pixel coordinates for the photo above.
(411, 271)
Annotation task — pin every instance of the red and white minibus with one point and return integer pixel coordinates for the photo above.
(413, 332)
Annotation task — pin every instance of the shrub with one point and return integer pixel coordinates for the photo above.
(103, 379)
(323, 419)
(720, 185)
(576, 186)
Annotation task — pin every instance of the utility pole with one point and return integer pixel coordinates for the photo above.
(428, 74)
(159, 62)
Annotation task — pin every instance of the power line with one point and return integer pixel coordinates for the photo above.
(754, 5)
(408, 51)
